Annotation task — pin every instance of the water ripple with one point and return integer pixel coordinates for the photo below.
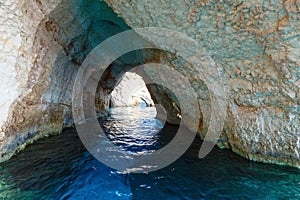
(59, 167)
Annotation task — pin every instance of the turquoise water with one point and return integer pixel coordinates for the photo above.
(59, 167)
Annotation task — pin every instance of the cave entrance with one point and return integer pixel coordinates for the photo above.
(72, 34)
(131, 91)
(137, 113)
(134, 121)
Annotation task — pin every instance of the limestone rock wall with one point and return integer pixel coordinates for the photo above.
(43, 44)
(10, 42)
(19, 21)
(257, 43)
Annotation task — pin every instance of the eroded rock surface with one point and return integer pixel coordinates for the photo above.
(257, 43)
(43, 44)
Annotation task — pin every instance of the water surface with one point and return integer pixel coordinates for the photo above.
(59, 167)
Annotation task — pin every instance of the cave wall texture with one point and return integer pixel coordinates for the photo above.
(256, 43)
(43, 44)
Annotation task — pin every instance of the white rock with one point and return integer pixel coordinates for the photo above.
(131, 91)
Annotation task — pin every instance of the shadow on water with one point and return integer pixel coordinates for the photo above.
(59, 167)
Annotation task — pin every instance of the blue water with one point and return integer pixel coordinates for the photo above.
(59, 167)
